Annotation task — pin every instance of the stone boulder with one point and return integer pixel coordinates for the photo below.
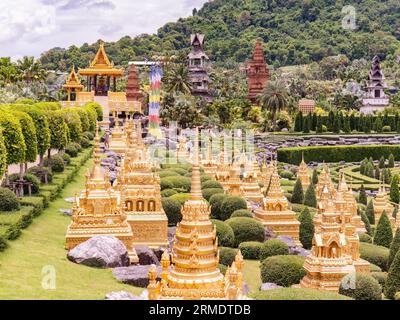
(146, 256)
(134, 275)
(121, 295)
(100, 252)
(269, 286)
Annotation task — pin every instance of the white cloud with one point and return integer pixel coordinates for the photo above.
(31, 27)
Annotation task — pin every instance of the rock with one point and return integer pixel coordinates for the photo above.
(100, 252)
(66, 212)
(245, 289)
(146, 256)
(121, 295)
(134, 275)
(269, 234)
(269, 286)
(70, 200)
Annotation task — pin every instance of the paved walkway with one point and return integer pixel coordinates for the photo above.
(14, 168)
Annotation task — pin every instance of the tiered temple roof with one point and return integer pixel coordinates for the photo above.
(257, 73)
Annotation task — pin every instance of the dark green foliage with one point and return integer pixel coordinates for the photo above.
(208, 193)
(242, 213)
(251, 249)
(211, 184)
(226, 237)
(227, 256)
(364, 287)
(172, 209)
(223, 268)
(8, 200)
(89, 135)
(298, 122)
(365, 219)
(3, 243)
(394, 189)
(392, 285)
(391, 161)
(310, 198)
(387, 175)
(168, 173)
(230, 204)
(381, 277)
(3, 155)
(13, 232)
(283, 270)
(13, 138)
(314, 178)
(365, 237)
(298, 193)
(85, 142)
(381, 162)
(394, 247)
(177, 182)
(362, 198)
(27, 177)
(181, 197)
(306, 228)
(273, 247)
(246, 229)
(29, 132)
(59, 131)
(286, 174)
(377, 255)
(168, 192)
(40, 172)
(383, 234)
(369, 212)
(215, 203)
(56, 163)
(71, 150)
(336, 153)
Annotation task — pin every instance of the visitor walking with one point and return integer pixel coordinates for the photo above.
(107, 140)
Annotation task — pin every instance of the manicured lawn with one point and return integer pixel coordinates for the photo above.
(42, 244)
(251, 274)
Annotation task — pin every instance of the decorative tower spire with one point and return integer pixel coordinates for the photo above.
(195, 192)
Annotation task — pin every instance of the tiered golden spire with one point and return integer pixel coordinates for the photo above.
(382, 203)
(302, 173)
(195, 257)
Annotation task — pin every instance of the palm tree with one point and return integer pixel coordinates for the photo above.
(8, 71)
(31, 70)
(177, 80)
(274, 98)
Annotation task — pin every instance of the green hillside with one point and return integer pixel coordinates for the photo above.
(294, 31)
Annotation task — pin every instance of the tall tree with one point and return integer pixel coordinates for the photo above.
(298, 193)
(394, 247)
(31, 70)
(394, 189)
(362, 198)
(383, 234)
(177, 79)
(306, 228)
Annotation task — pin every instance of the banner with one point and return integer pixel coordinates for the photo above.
(156, 74)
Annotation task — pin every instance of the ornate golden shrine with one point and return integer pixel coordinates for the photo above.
(73, 84)
(194, 273)
(250, 187)
(209, 164)
(303, 175)
(223, 169)
(118, 139)
(324, 180)
(381, 203)
(141, 188)
(275, 213)
(98, 211)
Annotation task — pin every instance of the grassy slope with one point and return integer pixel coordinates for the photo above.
(42, 244)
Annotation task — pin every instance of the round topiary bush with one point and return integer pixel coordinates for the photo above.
(380, 277)
(56, 163)
(250, 249)
(66, 157)
(211, 184)
(168, 192)
(88, 135)
(85, 142)
(227, 255)
(76, 145)
(273, 247)
(208, 193)
(230, 204)
(35, 183)
(365, 237)
(71, 150)
(176, 182)
(179, 171)
(284, 270)
(215, 204)
(375, 254)
(286, 174)
(364, 287)
(40, 173)
(204, 178)
(246, 229)
(242, 213)
(386, 129)
(168, 173)
(226, 237)
(8, 200)
(181, 197)
(172, 209)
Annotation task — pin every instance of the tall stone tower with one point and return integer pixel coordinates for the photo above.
(133, 92)
(257, 73)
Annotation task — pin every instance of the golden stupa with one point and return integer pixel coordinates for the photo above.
(209, 164)
(274, 213)
(303, 175)
(329, 260)
(118, 138)
(223, 168)
(194, 273)
(250, 187)
(142, 193)
(266, 174)
(381, 203)
(324, 179)
(232, 184)
(99, 211)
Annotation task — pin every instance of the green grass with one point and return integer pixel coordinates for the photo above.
(42, 244)
(251, 275)
(297, 294)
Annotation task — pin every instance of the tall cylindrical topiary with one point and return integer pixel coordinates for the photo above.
(394, 247)
(383, 234)
(310, 198)
(306, 228)
(3, 155)
(314, 178)
(13, 138)
(298, 193)
(58, 130)
(391, 161)
(394, 189)
(365, 219)
(362, 198)
(72, 119)
(392, 285)
(369, 211)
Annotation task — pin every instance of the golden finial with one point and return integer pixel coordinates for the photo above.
(195, 191)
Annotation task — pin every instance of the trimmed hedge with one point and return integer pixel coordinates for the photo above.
(230, 204)
(284, 270)
(246, 229)
(172, 209)
(27, 177)
(168, 192)
(211, 184)
(40, 172)
(377, 255)
(366, 287)
(273, 247)
(298, 294)
(208, 193)
(365, 237)
(215, 204)
(226, 237)
(227, 255)
(8, 200)
(380, 277)
(251, 249)
(242, 213)
(337, 153)
(181, 197)
(177, 182)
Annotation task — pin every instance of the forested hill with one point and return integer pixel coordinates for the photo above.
(294, 32)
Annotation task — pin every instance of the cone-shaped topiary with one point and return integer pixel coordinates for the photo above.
(370, 212)
(365, 219)
(365, 287)
(383, 234)
(382, 162)
(314, 178)
(310, 198)
(394, 247)
(391, 161)
(393, 280)
(394, 189)
(298, 193)
(362, 198)
(306, 228)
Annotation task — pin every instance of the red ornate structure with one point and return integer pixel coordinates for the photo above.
(257, 73)
(133, 92)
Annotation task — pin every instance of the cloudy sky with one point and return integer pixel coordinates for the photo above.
(29, 27)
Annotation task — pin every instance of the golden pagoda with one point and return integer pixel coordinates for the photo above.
(266, 174)
(209, 164)
(223, 169)
(118, 138)
(194, 273)
(141, 188)
(328, 261)
(275, 214)
(232, 183)
(324, 179)
(99, 211)
(100, 72)
(381, 203)
(303, 175)
(73, 84)
(250, 187)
